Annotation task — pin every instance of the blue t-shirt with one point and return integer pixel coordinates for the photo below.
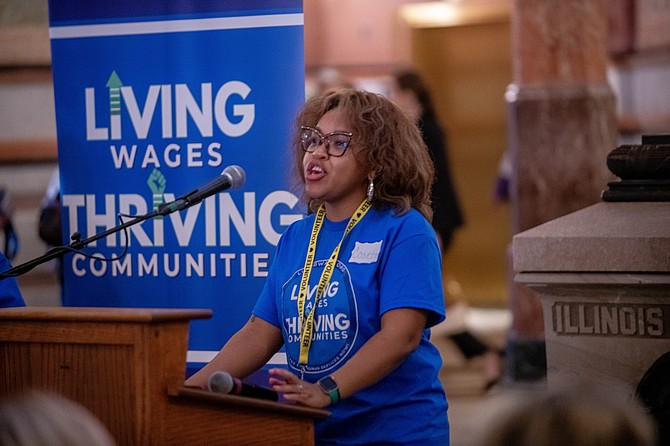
(10, 296)
(386, 262)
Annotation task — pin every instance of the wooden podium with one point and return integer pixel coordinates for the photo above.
(127, 367)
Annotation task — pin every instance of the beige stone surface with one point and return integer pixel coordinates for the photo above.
(606, 237)
(584, 346)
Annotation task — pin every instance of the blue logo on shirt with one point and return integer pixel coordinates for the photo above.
(335, 320)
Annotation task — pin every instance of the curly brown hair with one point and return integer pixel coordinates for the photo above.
(385, 141)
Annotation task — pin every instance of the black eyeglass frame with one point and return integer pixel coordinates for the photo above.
(323, 139)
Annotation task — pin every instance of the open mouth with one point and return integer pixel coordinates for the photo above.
(314, 172)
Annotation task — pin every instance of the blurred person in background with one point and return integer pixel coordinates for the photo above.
(411, 93)
(326, 80)
(10, 295)
(576, 417)
(10, 246)
(49, 227)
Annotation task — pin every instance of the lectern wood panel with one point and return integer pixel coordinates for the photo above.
(127, 367)
(117, 362)
(242, 421)
(90, 374)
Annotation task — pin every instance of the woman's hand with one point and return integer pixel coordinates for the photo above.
(293, 388)
(244, 353)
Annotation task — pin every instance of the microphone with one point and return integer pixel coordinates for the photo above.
(232, 177)
(223, 382)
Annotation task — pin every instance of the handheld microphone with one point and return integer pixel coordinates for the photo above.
(232, 177)
(223, 382)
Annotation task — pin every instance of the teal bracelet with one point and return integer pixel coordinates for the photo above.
(334, 396)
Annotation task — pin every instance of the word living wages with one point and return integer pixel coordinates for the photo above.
(170, 108)
(173, 156)
(174, 118)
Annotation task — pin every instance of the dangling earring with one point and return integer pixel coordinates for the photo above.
(371, 189)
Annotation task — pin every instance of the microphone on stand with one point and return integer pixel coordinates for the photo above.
(223, 382)
(232, 177)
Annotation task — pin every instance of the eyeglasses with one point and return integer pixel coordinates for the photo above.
(336, 142)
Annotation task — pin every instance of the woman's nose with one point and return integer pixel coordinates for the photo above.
(321, 151)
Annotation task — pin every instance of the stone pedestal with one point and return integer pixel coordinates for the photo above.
(562, 124)
(603, 277)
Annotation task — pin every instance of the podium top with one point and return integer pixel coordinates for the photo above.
(103, 314)
(194, 394)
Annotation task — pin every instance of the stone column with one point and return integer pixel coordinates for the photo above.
(562, 125)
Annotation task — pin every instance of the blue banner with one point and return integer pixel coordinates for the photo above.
(153, 100)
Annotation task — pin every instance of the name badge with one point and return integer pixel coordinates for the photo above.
(365, 252)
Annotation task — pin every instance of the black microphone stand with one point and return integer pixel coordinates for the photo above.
(188, 200)
(77, 243)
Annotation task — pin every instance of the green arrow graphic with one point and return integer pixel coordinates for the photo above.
(114, 84)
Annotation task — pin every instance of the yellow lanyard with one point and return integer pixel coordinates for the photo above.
(308, 324)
